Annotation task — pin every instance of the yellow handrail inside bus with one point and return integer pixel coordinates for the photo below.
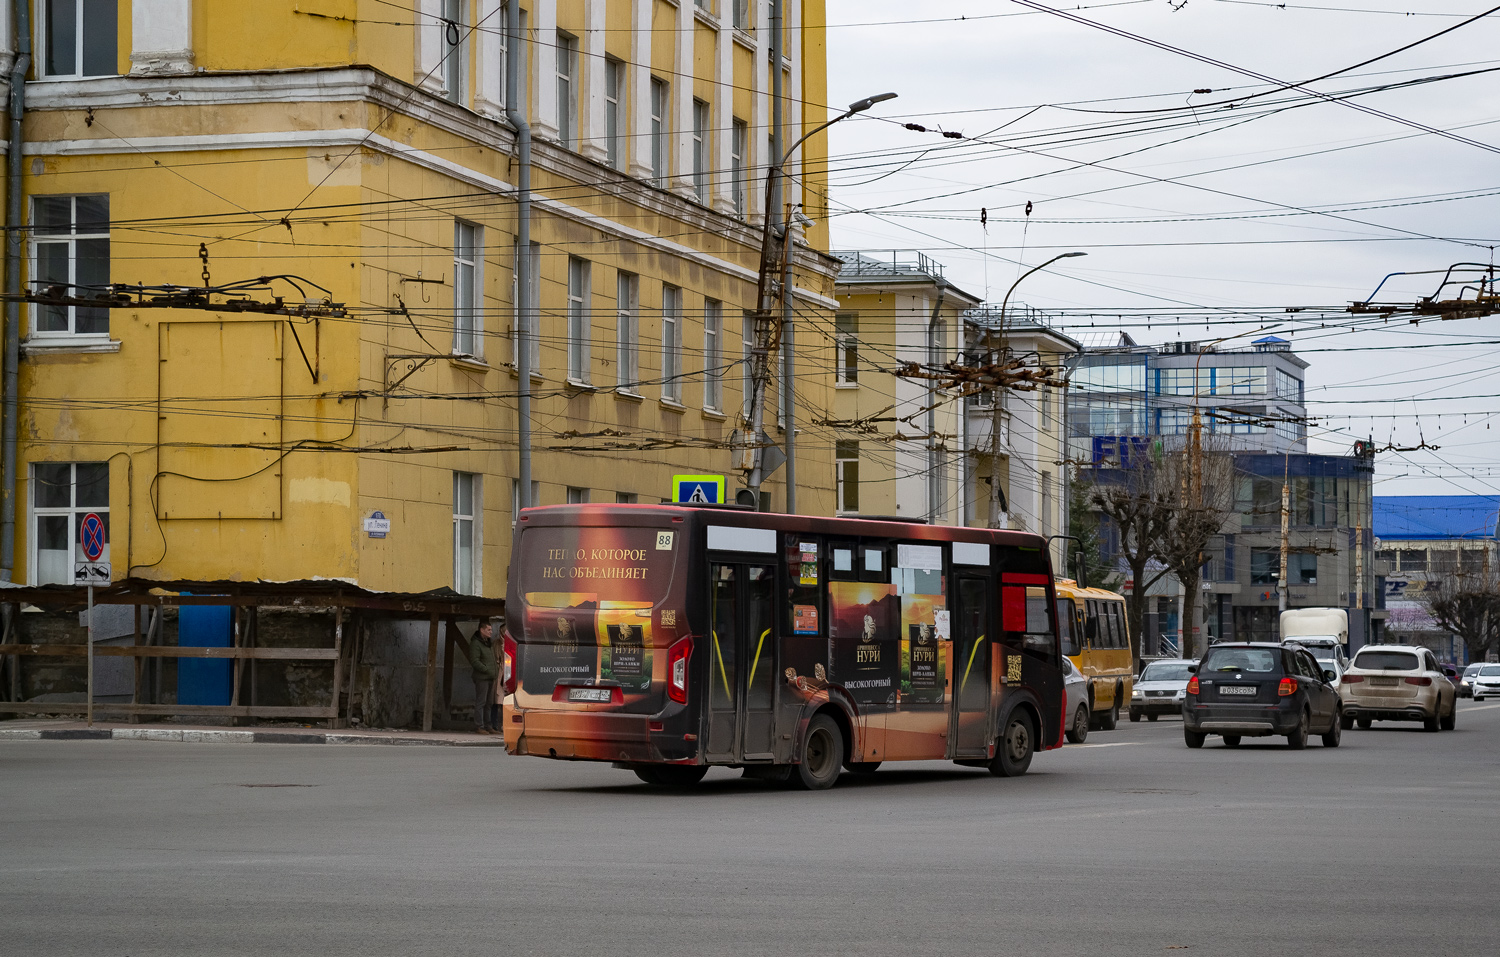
(962, 684)
(758, 646)
(722, 673)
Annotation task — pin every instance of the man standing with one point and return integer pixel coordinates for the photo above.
(486, 668)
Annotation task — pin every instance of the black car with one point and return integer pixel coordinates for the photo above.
(1255, 689)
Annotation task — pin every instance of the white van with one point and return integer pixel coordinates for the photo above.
(1322, 631)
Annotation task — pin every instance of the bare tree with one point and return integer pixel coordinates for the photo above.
(1467, 605)
(1198, 483)
(1134, 501)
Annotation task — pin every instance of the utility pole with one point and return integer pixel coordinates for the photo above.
(515, 111)
(1286, 518)
(997, 411)
(1359, 569)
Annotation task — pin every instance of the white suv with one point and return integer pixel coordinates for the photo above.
(1486, 681)
(1398, 683)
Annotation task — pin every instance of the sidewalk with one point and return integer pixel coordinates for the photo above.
(67, 729)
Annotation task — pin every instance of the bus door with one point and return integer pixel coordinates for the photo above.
(972, 634)
(741, 662)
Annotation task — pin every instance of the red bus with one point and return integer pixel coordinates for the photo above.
(671, 639)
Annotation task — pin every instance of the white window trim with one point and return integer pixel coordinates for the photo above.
(39, 46)
(65, 339)
(628, 347)
(579, 326)
(476, 543)
(713, 356)
(33, 513)
(475, 304)
(455, 59)
(671, 345)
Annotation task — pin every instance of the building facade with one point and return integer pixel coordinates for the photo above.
(362, 146)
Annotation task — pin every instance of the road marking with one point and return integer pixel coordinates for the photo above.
(1481, 707)
(1121, 744)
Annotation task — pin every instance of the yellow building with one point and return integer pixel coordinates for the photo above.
(362, 145)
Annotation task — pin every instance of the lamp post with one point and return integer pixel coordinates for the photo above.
(769, 326)
(998, 406)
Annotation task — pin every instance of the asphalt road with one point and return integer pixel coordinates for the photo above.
(1129, 844)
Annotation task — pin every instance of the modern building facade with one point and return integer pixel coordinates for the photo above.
(363, 146)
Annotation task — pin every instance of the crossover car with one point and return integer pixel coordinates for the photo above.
(1398, 683)
(1487, 682)
(1257, 689)
(1160, 688)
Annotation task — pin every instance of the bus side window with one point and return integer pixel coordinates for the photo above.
(1107, 625)
(841, 562)
(1091, 623)
(1118, 609)
(1066, 627)
(873, 564)
(801, 564)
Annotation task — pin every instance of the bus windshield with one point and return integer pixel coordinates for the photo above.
(592, 613)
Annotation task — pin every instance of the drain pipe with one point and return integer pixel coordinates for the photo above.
(515, 111)
(14, 239)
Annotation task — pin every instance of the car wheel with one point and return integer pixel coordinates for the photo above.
(1451, 718)
(1080, 729)
(1017, 745)
(1231, 740)
(1297, 740)
(1335, 733)
(1136, 715)
(862, 767)
(1194, 739)
(1479, 697)
(1346, 721)
(822, 755)
(1364, 723)
(1432, 723)
(1151, 717)
(672, 775)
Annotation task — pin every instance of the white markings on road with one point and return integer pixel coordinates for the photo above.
(1118, 744)
(1481, 707)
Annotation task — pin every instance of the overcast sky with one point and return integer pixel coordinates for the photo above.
(1267, 203)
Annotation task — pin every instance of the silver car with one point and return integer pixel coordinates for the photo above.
(1160, 688)
(1075, 702)
(1486, 682)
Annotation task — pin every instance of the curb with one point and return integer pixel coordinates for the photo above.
(235, 737)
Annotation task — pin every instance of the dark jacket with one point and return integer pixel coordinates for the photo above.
(482, 657)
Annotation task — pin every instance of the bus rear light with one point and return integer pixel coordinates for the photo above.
(677, 669)
(1424, 682)
(508, 665)
(1288, 686)
(1192, 687)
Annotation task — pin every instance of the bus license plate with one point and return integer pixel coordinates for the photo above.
(1238, 689)
(591, 695)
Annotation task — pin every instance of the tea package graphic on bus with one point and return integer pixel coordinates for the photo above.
(669, 639)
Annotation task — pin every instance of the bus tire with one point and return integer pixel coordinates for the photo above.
(822, 755)
(1016, 746)
(672, 775)
(861, 767)
(1111, 718)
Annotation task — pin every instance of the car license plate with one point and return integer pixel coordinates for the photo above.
(1248, 690)
(1384, 682)
(591, 695)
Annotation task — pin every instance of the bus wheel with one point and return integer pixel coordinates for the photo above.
(822, 755)
(672, 775)
(1111, 718)
(1017, 744)
(862, 767)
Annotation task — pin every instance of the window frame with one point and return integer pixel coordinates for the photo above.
(43, 64)
(846, 476)
(846, 349)
(473, 518)
(614, 113)
(739, 143)
(468, 285)
(70, 237)
(627, 332)
(579, 357)
(455, 62)
(566, 69)
(701, 149)
(73, 511)
(660, 107)
(671, 343)
(713, 362)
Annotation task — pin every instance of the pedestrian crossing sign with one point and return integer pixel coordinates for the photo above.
(698, 489)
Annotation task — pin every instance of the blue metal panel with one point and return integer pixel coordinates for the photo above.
(204, 680)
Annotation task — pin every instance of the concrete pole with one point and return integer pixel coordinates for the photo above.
(1286, 518)
(515, 111)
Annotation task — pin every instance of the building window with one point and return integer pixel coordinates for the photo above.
(713, 361)
(659, 129)
(70, 249)
(62, 493)
(627, 331)
(1288, 387)
(614, 113)
(739, 141)
(671, 343)
(846, 470)
(466, 312)
(455, 51)
(81, 38)
(567, 101)
(1302, 569)
(1182, 381)
(700, 150)
(1239, 380)
(515, 498)
(1413, 559)
(1265, 566)
(578, 320)
(625, 498)
(846, 347)
(465, 532)
(535, 269)
(502, 31)
(578, 496)
(740, 11)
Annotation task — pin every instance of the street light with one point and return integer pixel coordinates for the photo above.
(766, 332)
(998, 406)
